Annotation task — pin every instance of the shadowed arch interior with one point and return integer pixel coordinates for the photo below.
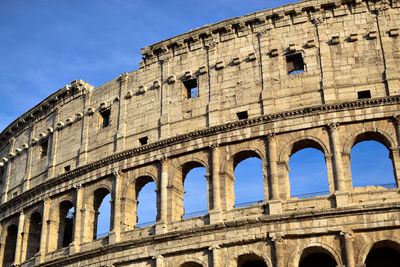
(66, 223)
(316, 257)
(251, 260)
(34, 232)
(384, 253)
(10, 245)
(191, 264)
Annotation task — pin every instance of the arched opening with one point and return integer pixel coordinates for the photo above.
(308, 175)
(34, 232)
(316, 257)
(385, 253)
(146, 201)
(191, 264)
(102, 213)
(251, 260)
(371, 163)
(249, 179)
(66, 224)
(195, 198)
(10, 245)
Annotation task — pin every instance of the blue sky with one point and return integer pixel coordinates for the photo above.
(48, 43)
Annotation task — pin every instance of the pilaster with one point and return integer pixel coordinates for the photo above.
(161, 225)
(348, 244)
(44, 237)
(215, 214)
(76, 243)
(83, 150)
(278, 246)
(115, 233)
(274, 203)
(215, 250)
(18, 247)
(122, 110)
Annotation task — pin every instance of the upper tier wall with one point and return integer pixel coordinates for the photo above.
(239, 65)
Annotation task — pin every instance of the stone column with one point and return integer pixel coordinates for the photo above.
(161, 224)
(395, 151)
(18, 247)
(115, 233)
(340, 187)
(278, 246)
(45, 231)
(215, 214)
(121, 120)
(159, 260)
(7, 172)
(215, 249)
(274, 203)
(52, 157)
(76, 243)
(87, 93)
(348, 244)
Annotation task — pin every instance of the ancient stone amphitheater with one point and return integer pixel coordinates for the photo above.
(318, 74)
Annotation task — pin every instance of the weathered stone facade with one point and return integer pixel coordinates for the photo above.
(213, 97)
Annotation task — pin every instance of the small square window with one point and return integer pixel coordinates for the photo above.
(67, 168)
(294, 63)
(191, 88)
(143, 141)
(105, 118)
(242, 115)
(364, 94)
(44, 148)
(2, 172)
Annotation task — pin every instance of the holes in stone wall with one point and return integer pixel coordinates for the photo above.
(295, 63)
(67, 168)
(105, 118)
(43, 148)
(242, 115)
(143, 141)
(191, 88)
(364, 94)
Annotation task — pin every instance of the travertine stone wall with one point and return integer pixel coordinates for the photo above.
(82, 142)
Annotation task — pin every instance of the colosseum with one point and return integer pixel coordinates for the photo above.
(320, 74)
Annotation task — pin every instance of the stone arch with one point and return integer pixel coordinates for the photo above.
(300, 143)
(180, 168)
(295, 256)
(9, 238)
(236, 153)
(234, 256)
(372, 134)
(368, 246)
(58, 212)
(291, 147)
(192, 262)
(33, 233)
(93, 198)
(129, 203)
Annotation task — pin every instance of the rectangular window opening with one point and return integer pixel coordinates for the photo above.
(44, 148)
(105, 118)
(191, 88)
(242, 115)
(2, 172)
(364, 94)
(67, 168)
(143, 140)
(295, 63)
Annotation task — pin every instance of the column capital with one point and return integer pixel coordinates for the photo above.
(347, 233)
(213, 247)
(46, 199)
(78, 187)
(117, 173)
(276, 237)
(164, 160)
(328, 155)
(214, 145)
(333, 126)
(157, 257)
(270, 136)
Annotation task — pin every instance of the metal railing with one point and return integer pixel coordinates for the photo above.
(314, 194)
(388, 186)
(246, 204)
(144, 224)
(194, 214)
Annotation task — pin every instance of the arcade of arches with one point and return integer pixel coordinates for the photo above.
(72, 217)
